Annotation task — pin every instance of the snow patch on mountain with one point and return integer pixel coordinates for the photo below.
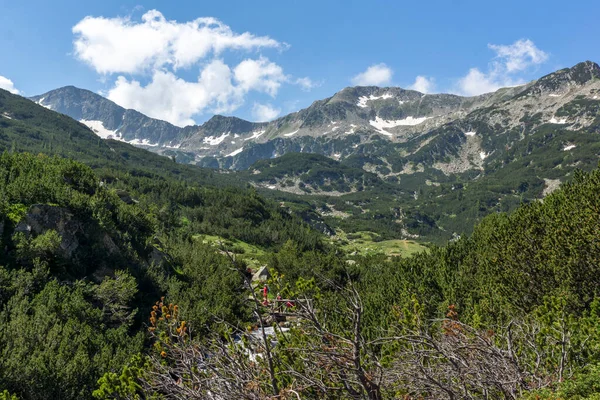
(569, 147)
(256, 134)
(352, 129)
(98, 128)
(143, 142)
(381, 124)
(362, 100)
(553, 120)
(291, 133)
(472, 133)
(5, 115)
(41, 103)
(235, 152)
(213, 140)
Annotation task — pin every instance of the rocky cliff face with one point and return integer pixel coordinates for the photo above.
(80, 240)
(73, 232)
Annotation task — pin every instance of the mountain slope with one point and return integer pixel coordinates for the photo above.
(442, 162)
(28, 127)
(348, 123)
(302, 173)
(108, 119)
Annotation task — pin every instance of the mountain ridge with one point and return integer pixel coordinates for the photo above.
(394, 113)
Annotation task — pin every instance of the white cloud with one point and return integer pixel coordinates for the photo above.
(264, 112)
(7, 84)
(119, 45)
(423, 84)
(519, 56)
(260, 75)
(174, 99)
(156, 49)
(476, 82)
(218, 88)
(375, 75)
(502, 72)
(306, 84)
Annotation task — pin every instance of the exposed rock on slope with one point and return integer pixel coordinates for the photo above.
(435, 127)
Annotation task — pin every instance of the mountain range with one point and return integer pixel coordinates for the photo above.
(343, 125)
(389, 160)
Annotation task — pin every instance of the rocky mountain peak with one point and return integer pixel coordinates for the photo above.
(82, 104)
(220, 123)
(561, 80)
(106, 118)
(341, 125)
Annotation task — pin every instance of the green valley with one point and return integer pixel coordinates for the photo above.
(462, 262)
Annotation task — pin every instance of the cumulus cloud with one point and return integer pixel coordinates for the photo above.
(503, 69)
(7, 84)
(306, 83)
(264, 112)
(476, 82)
(218, 88)
(423, 84)
(519, 56)
(120, 45)
(261, 75)
(375, 75)
(148, 55)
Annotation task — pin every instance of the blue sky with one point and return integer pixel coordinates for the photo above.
(183, 61)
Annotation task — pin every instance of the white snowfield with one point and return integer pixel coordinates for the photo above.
(138, 142)
(5, 115)
(554, 95)
(483, 155)
(553, 120)
(214, 140)
(381, 124)
(362, 100)
(235, 152)
(291, 133)
(256, 134)
(352, 129)
(98, 128)
(41, 103)
(569, 147)
(470, 133)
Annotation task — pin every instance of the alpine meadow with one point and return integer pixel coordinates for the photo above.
(214, 202)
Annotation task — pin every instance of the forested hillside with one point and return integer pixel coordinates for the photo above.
(85, 257)
(26, 126)
(84, 263)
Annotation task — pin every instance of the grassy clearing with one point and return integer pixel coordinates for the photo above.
(249, 253)
(367, 243)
